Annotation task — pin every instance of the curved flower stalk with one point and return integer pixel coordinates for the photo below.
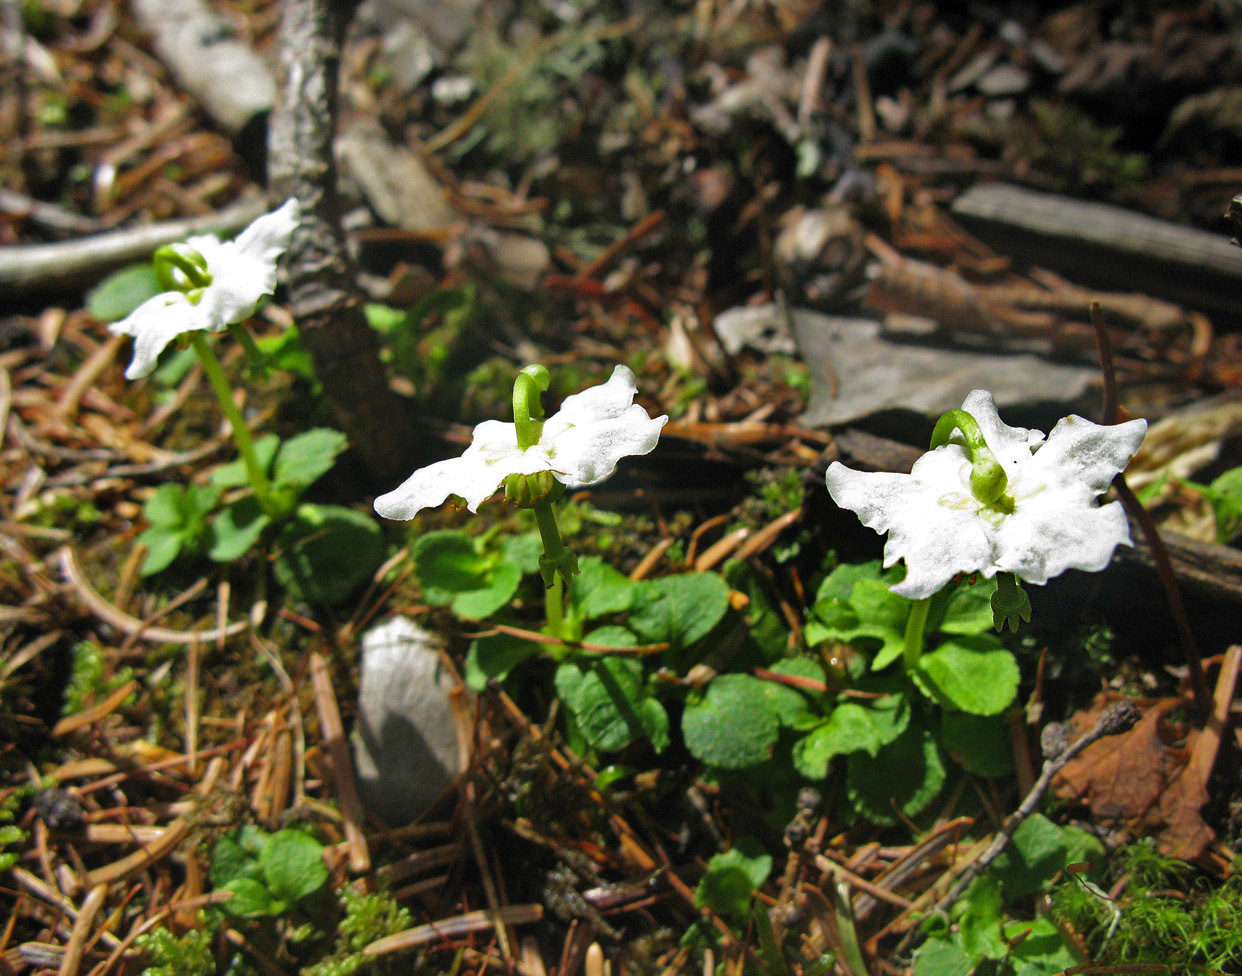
(579, 445)
(995, 499)
(210, 284)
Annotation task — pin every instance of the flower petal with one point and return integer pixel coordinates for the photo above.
(594, 429)
(154, 324)
(1000, 437)
(492, 456)
(244, 271)
(1080, 451)
(1040, 544)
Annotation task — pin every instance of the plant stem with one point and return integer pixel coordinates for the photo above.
(916, 627)
(241, 434)
(555, 557)
(554, 601)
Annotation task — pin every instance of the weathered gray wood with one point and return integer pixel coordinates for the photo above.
(323, 291)
(78, 263)
(228, 79)
(1107, 246)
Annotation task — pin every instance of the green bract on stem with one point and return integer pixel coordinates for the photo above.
(987, 478)
(241, 434)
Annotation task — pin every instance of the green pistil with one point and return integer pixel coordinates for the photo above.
(987, 477)
(192, 265)
(527, 410)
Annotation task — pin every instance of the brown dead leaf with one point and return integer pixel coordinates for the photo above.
(1141, 779)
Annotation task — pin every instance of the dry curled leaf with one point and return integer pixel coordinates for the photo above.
(1141, 779)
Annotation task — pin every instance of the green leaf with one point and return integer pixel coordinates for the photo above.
(172, 506)
(889, 712)
(504, 581)
(904, 775)
(235, 475)
(611, 636)
(123, 291)
(967, 611)
(326, 552)
(452, 570)
(251, 899)
(237, 528)
(855, 601)
(163, 546)
(848, 729)
(303, 459)
(942, 957)
(1035, 854)
(979, 742)
(292, 862)
(523, 550)
(973, 674)
(286, 351)
(1043, 949)
(598, 589)
(731, 878)
(679, 609)
(607, 700)
(733, 726)
(448, 563)
(492, 658)
(236, 855)
(764, 620)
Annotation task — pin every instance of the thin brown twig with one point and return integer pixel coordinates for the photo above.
(1155, 544)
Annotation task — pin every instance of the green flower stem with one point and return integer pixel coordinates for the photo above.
(916, 632)
(527, 410)
(241, 434)
(557, 564)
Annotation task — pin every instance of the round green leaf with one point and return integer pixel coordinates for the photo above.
(252, 900)
(904, 775)
(493, 657)
(303, 459)
(848, 729)
(974, 674)
(679, 609)
(732, 727)
(606, 698)
(502, 583)
(292, 862)
(979, 742)
(123, 291)
(326, 552)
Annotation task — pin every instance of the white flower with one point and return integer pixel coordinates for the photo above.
(580, 444)
(940, 529)
(239, 274)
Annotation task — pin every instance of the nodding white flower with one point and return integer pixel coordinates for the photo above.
(580, 445)
(1047, 521)
(212, 284)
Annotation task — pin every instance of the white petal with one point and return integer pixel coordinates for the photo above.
(877, 497)
(1000, 437)
(244, 271)
(1044, 544)
(492, 456)
(594, 429)
(936, 546)
(154, 324)
(1091, 454)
